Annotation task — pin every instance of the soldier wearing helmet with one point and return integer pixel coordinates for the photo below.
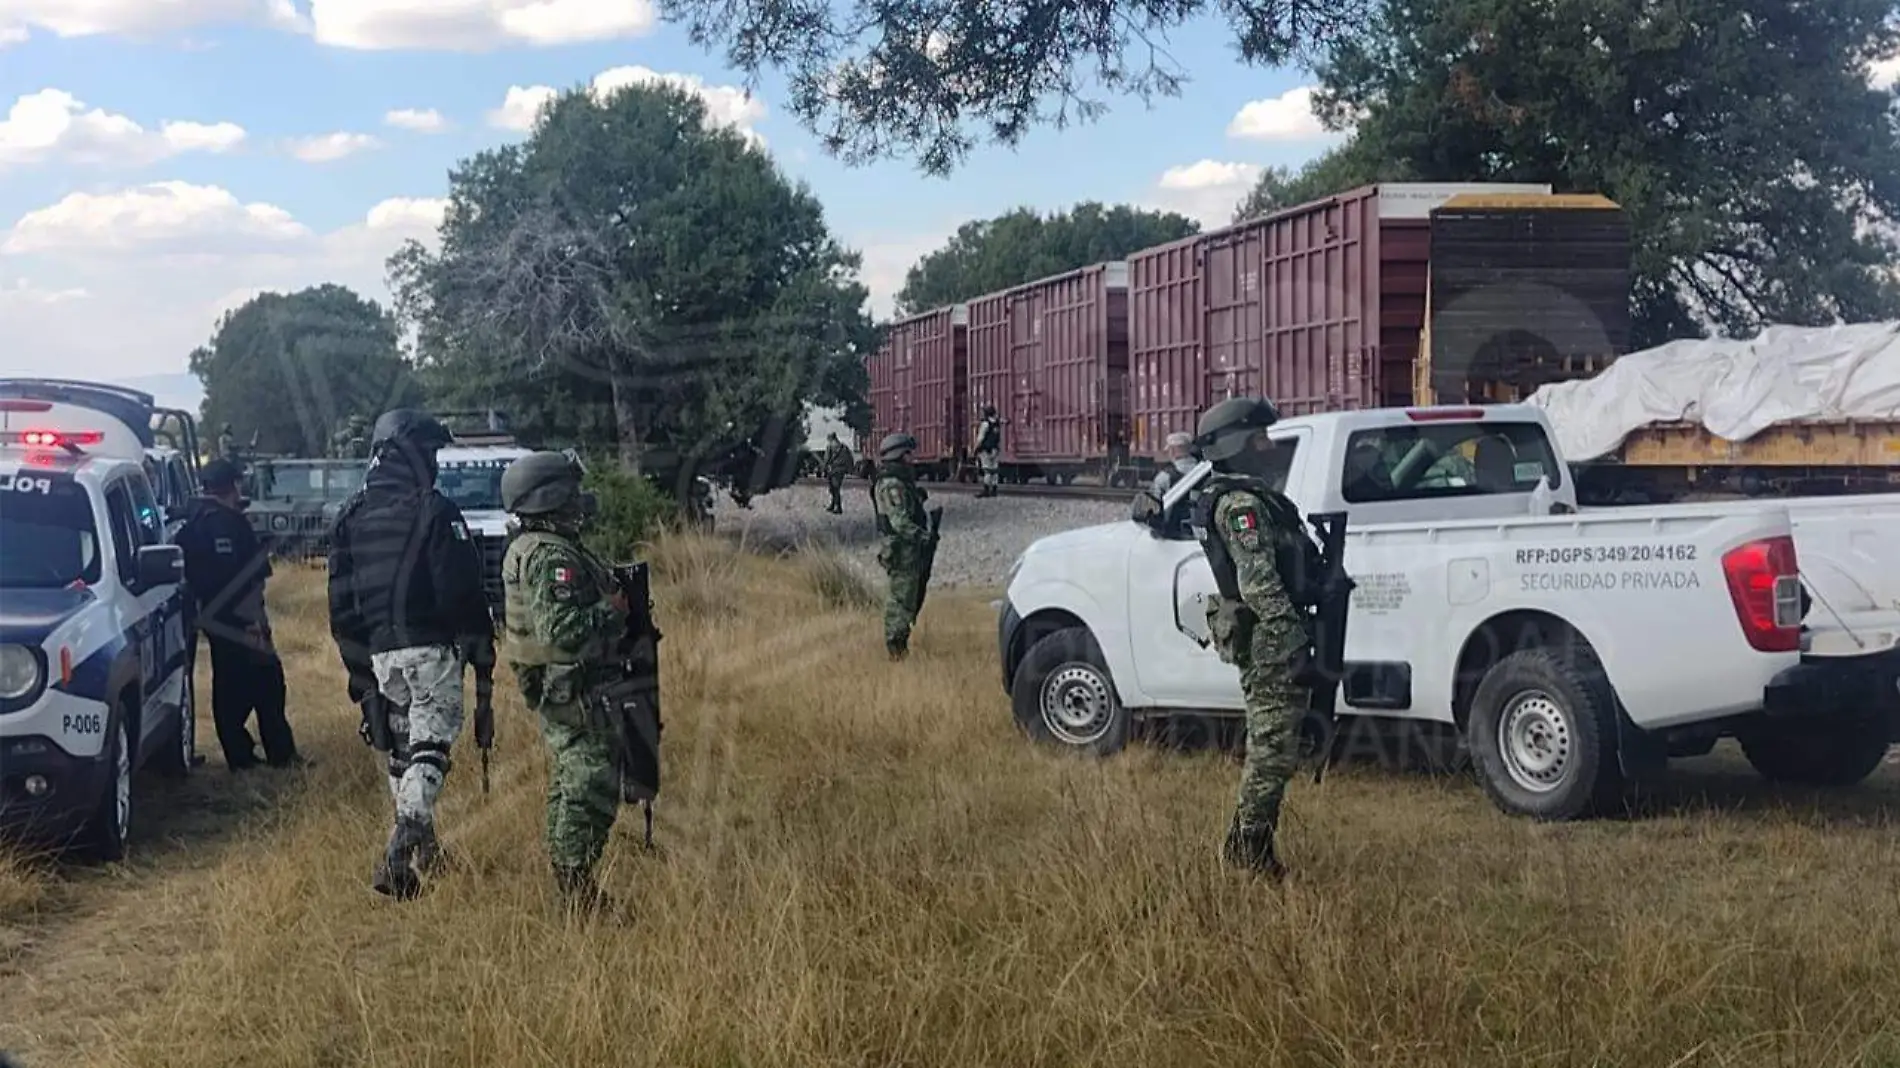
(562, 620)
(407, 613)
(989, 448)
(909, 544)
(1259, 551)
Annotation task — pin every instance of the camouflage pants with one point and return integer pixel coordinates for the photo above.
(986, 462)
(904, 571)
(1275, 706)
(583, 788)
(426, 683)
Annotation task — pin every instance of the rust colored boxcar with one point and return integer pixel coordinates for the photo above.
(1052, 356)
(919, 384)
(1318, 306)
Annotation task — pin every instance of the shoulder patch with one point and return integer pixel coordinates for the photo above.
(1243, 520)
(460, 528)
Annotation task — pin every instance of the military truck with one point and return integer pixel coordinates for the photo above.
(295, 501)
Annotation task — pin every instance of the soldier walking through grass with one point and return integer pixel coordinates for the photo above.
(837, 466)
(1257, 547)
(563, 617)
(408, 614)
(910, 544)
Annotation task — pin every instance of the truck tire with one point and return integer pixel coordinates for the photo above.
(1833, 752)
(107, 830)
(1063, 695)
(1542, 735)
(180, 754)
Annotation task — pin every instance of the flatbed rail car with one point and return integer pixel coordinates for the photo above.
(1671, 461)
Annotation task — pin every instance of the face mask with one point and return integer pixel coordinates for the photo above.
(1185, 464)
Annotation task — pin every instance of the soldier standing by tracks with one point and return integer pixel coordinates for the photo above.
(407, 613)
(1258, 550)
(837, 466)
(910, 540)
(564, 617)
(989, 447)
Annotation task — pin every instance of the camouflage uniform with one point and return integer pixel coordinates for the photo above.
(907, 543)
(989, 446)
(561, 625)
(1251, 532)
(424, 686)
(837, 467)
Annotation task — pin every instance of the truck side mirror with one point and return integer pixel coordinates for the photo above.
(160, 565)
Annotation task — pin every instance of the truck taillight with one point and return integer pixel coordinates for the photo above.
(1764, 581)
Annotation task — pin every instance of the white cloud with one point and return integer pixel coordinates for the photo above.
(1886, 72)
(889, 257)
(328, 148)
(167, 273)
(475, 25)
(1287, 117)
(52, 125)
(12, 35)
(422, 120)
(1206, 190)
(168, 217)
(726, 105)
(86, 18)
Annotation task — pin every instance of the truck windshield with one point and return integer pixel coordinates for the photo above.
(46, 526)
(473, 487)
(1421, 461)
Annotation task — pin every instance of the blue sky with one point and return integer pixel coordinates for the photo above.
(107, 286)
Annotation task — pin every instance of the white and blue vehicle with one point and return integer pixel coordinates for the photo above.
(95, 624)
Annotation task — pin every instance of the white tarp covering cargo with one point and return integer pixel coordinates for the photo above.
(1734, 388)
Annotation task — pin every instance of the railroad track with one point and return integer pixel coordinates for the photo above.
(1070, 492)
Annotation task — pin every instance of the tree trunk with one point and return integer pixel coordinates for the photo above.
(627, 430)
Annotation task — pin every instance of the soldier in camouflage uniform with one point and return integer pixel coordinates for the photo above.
(351, 440)
(1256, 547)
(563, 617)
(837, 466)
(908, 542)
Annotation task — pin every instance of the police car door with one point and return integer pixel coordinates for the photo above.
(149, 618)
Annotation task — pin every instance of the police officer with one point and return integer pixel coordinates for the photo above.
(909, 545)
(226, 568)
(989, 446)
(563, 617)
(407, 613)
(1258, 549)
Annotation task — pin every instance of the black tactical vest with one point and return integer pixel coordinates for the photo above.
(1295, 555)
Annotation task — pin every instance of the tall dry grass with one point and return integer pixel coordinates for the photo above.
(865, 864)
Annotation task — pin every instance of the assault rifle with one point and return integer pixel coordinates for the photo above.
(1332, 603)
(930, 557)
(485, 706)
(630, 702)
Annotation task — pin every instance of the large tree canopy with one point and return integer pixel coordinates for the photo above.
(1349, 166)
(1022, 246)
(291, 368)
(1741, 136)
(635, 273)
(880, 78)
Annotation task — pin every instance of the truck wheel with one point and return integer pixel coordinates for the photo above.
(110, 826)
(1837, 751)
(1542, 735)
(1063, 695)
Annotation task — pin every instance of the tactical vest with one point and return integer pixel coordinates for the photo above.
(912, 494)
(990, 436)
(519, 645)
(1295, 556)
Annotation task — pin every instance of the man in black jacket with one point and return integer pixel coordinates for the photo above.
(225, 568)
(407, 613)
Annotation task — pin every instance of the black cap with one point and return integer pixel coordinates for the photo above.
(219, 474)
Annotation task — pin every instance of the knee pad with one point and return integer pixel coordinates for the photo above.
(432, 755)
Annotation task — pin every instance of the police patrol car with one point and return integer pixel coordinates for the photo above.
(95, 622)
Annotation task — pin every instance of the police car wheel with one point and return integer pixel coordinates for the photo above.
(181, 754)
(1063, 696)
(110, 827)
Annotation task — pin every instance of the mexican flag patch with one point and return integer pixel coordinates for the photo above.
(1242, 521)
(563, 574)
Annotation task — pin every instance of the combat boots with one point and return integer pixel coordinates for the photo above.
(1251, 849)
(579, 892)
(396, 875)
(898, 649)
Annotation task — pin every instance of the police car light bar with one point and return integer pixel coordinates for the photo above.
(25, 406)
(52, 439)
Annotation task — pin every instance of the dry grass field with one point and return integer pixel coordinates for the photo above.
(865, 864)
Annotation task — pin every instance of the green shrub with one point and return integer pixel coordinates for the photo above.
(632, 509)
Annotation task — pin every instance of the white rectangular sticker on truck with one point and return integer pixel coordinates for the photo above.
(1570, 568)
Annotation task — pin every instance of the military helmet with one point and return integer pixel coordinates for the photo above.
(408, 426)
(1223, 430)
(989, 411)
(895, 445)
(540, 483)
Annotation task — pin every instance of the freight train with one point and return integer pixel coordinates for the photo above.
(1385, 295)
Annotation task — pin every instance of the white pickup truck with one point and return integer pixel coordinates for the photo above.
(1574, 650)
